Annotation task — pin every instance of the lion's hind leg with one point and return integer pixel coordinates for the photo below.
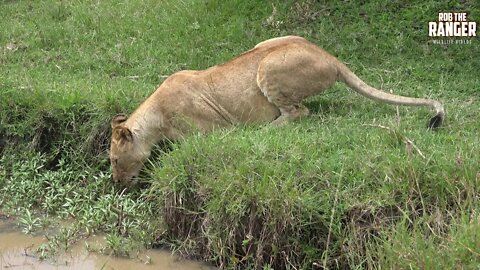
(286, 100)
(290, 106)
(292, 73)
(279, 84)
(290, 113)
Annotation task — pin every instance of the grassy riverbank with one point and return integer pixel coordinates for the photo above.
(357, 184)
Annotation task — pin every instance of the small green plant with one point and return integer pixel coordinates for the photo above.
(40, 197)
(28, 222)
(60, 241)
(117, 245)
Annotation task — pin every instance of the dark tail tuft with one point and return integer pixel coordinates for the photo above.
(435, 122)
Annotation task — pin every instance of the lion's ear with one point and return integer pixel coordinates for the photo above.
(118, 119)
(122, 134)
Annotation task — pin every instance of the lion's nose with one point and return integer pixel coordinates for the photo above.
(115, 178)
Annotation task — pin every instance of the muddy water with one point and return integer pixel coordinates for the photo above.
(17, 251)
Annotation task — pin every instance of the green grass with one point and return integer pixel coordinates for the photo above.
(357, 184)
(319, 193)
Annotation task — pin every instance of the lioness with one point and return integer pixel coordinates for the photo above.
(264, 84)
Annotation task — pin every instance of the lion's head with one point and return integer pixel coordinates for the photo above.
(126, 155)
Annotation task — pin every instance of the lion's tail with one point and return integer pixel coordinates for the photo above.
(349, 78)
